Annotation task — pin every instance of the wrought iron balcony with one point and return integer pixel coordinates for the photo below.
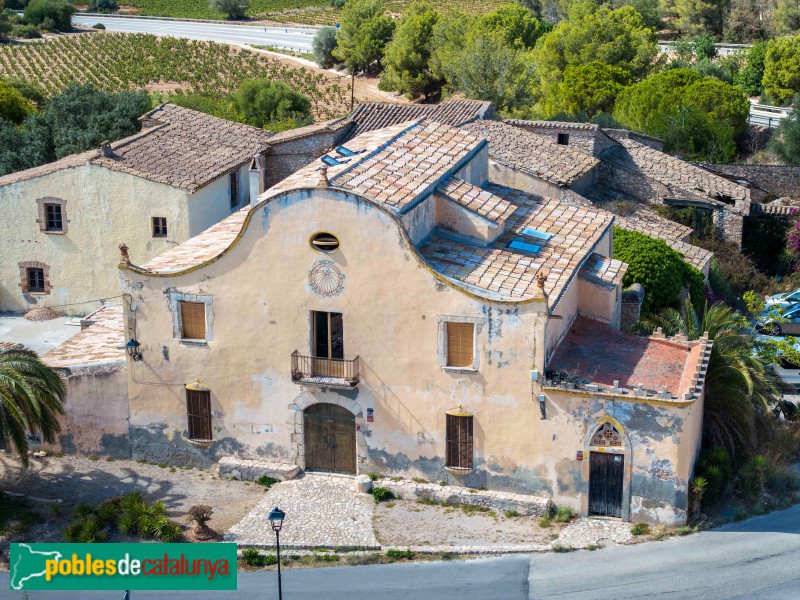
(326, 372)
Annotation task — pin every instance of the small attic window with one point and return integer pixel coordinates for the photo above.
(324, 242)
(520, 244)
(535, 233)
(344, 151)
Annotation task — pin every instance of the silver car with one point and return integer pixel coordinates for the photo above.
(783, 300)
(786, 322)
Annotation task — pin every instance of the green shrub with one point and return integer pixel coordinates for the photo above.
(26, 32)
(98, 26)
(400, 554)
(374, 476)
(545, 522)
(382, 494)
(52, 15)
(563, 514)
(658, 268)
(102, 6)
(562, 548)
(233, 9)
(755, 475)
(640, 529)
(271, 104)
(267, 481)
(253, 558)
(323, 45)
(510, 514)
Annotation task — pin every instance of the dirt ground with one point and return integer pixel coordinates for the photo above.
(409, 523)
(79, 480)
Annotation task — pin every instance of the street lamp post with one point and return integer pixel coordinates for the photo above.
(276, 516)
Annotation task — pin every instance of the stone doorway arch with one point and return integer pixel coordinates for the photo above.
(322, 396)
(605, 447)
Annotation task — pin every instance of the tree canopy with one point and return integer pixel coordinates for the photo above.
(79, 118)
(14, 107)
(699, 116)
(785, 141)
(407, 59)
(363, 34)
(323, 44)
(55, 15)
(782, 69)
(587, 90)
(271, 104)
(233, 9)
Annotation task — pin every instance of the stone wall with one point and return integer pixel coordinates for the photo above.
(631, 306)
(778, 180)
(524, 504)
(285, 157)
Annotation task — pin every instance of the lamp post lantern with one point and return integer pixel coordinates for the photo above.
(276, 516)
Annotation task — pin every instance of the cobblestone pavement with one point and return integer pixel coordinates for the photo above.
(321, 510)
(597, 532)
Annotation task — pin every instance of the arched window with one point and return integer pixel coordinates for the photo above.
(458, 439)
(607, 436)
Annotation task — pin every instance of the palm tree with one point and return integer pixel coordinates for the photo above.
(31, 396)
(740, 386)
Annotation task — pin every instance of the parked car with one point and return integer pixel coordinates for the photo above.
(788, 370)
(777, 321)
(785, 300)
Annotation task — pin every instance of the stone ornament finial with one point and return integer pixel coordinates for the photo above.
(323, 176)
(124, 259)
(541, 279)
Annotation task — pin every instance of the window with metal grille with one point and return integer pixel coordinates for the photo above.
(193, 320)
(198, 411)
(563, 139)
(459, 442)
(35, 280)
(53, 216)
(233, 180)
(607, 435)
(460, 344)
(159, 226)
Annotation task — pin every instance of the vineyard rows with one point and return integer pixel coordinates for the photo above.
(316, 15)
(121, 61)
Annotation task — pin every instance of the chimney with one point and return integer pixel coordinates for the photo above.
(105, 148)
(323, 176)
(257, 174)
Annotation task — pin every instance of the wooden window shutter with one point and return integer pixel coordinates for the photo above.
(459, 442)
(193, 320)
(198, 412)
(460, 344)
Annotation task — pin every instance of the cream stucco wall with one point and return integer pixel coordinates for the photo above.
(394, 309)
(103, 209)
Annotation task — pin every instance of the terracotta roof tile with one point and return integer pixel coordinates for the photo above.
(675, 173)
(377, 115)
(532, 153)
(101, 341)
(185, 149)
(476, 199)
(604, 269)
(510, 273)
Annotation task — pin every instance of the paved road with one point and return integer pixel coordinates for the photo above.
(295, 38)
(753, 560)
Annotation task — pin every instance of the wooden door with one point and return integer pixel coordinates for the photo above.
(606, 472)
(330, 439)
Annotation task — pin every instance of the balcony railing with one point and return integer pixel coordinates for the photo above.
(334, 372)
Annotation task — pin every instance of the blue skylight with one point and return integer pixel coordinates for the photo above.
(536, 233)
(519, 244)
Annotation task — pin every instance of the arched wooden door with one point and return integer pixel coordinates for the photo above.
(330, 439)
(606, 472)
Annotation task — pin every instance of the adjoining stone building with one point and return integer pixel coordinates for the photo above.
(387, 308)
(61, 223)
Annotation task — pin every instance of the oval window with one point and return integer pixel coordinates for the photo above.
(324, 242)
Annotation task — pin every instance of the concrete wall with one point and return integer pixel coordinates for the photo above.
(96, 412)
